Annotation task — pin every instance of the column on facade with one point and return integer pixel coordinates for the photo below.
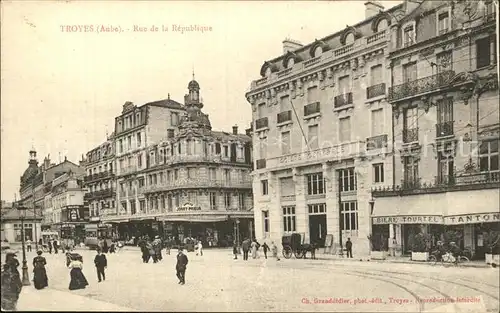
(301, 210)
(331, 200)
(275, 216)
(361, 246)
(493, 53)
(258, 209)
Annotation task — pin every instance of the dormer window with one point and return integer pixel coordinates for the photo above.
(443, 23)
(349, 39)
(382, 25)
(268, 72)
(290, 63)
(409, 35)
(318, 51)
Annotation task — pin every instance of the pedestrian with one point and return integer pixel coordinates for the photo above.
(182, 261)
(55, 245)
(151, 252)
(11, 286)
(348, 247)
(28, 244)
(78, 280)
(101, 263)
(200, 248)
(105, 247)
(40, 279)
(157, 248)
(392, 246)
(168, 245)
(265, 247)
(254, 247)
(49, 245)
(235, 251)
(274, 250)
(245, 246)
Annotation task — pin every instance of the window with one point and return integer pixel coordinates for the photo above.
(174, 118)
(227, 175)
(377, 122)
(227, 200)
(289, 218)
(349, 214)
(312, 94)
(263, 147)
(217, 148)
(344, 85)
(444, 61)
(345, 129)
(261, 110)
(177, 200)
(443, 23)
(444, 117)
(192, 172)
(290, 63)
(28, 232)
(189, 145)
(382, 25)
(213, 201)
(488, 156)
(129, 143)
(120, 145)
(169, 202)
(410, 168)
(483, 52)
(315, 184)
(139, 160)
(264, 187)
(212, 174)
(376, 75)
(319, 208)
(445, 167)
(241, 201)
(287, 187)
(139, 142)
(318, 51)
(170, 133)
(312, 137)
(265, 219)
(176, 174)
(349, 39)
(285, 142)
(192, 197)
(226, 151)
(408, 36)
(378, 173)
(409, 72)
(347, 179)
(142, 205)
(284, 103)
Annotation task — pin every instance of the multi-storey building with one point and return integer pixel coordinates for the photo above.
(444, 95)
(185, 179)
(100, 182)
(320, 133)
(36, 189)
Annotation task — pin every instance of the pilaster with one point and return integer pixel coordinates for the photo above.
(331, 200)
(275, 216)
(301, 212)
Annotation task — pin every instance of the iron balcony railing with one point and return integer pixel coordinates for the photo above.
(284, 116)
(342, 100)
(199, 183)
(376, 142)
(375, 91)
(261, 123)
(312, 108)
(410, 135)
(261, 164)
(444, 129)
(420, 86)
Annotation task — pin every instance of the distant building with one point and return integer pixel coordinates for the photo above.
(11, 224)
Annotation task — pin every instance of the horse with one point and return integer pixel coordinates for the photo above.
(312, 247)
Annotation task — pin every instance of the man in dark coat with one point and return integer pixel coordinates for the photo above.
(11, 283)
(101, 263)
(182, 262)
(245, 246)
(55, 245)
(348, 247)
(49, 245)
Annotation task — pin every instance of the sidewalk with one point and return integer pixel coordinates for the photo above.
(55, 300)
(403, 260)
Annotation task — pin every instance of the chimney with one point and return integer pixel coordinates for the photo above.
(372, 8)
(291, 45)
(235, 130)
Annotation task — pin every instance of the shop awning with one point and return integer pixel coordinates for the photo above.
(193, 218)
(419, 209)
(118, 220)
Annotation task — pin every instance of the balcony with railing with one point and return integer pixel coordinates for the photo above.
(444, 129)
(128, 170)
(376, 142)
(375, 91)
(97, 176)
(420, 86)
(443, 183)
(288, 198)
(261, 163)
(376, 37)
(199, 183)
(188, 158)
(312, 108)
(285, 116)
(410, 135)
(261, 123)
(342, 100)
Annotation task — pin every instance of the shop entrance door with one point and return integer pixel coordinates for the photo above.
(317, 229)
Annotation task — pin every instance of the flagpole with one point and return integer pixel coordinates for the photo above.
(300, 125)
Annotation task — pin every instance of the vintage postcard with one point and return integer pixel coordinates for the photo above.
(240, 156)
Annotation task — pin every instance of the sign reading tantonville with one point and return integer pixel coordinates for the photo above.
(472, 218)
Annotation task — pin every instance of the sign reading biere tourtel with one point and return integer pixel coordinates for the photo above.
(447, 220)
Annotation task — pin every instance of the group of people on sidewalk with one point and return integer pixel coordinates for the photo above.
(253, 246)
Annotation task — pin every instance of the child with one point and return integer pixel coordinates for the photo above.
(274, 250)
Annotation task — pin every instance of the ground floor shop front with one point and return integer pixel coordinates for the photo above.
(447, 217)
(213, 230)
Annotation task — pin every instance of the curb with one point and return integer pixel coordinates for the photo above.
(468, 265)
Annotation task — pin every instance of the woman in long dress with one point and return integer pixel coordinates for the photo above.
(11, 283)
(40, 279)
(78, 280)
(254, 249)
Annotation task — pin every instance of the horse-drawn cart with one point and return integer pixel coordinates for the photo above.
(292, 244)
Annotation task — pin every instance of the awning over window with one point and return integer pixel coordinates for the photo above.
(419, 209)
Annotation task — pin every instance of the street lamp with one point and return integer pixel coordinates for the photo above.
(25, 280)
(372, 205)
(238, 233)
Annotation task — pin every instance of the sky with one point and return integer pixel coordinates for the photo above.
(62, 90)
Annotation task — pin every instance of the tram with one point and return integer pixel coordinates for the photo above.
(67, 236)
(96, 234)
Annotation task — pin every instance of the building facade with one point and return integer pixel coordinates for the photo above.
(444, 95)
(181, 179)
(321, 124)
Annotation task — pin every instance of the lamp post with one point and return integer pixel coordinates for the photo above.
(372, 205)
(238, 233)
(25, 279)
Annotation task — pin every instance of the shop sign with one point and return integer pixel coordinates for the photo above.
(188, 207)
(76, 214)
(420, 219)
(472, 218)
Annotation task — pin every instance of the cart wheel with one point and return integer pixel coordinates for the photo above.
(433, 260)
(298, 254)
(287, 252)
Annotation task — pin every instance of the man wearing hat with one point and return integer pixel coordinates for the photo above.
(101, 263)
(157, 245)
(182, 262)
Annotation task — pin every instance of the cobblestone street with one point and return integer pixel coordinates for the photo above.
(216, 282)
